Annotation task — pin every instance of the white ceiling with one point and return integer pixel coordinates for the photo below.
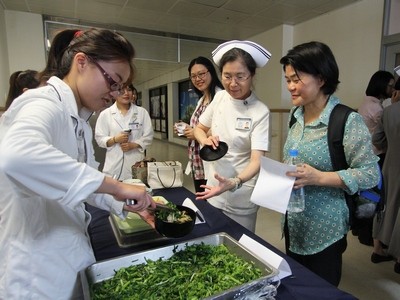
(205, 20)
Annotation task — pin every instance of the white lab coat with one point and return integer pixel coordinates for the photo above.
(110, 123)
(43, 222)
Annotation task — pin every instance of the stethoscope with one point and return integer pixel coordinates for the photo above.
(131, 121)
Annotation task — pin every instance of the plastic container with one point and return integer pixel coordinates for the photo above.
(297, 200)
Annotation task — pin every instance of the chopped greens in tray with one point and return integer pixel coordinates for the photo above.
(174, 215)
(197, 272)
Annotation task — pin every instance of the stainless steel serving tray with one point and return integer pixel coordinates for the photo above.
(106, 269)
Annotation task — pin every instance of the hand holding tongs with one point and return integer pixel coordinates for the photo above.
(130, 202)
(158, 205)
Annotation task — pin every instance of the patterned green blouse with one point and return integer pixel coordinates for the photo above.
(325, 218)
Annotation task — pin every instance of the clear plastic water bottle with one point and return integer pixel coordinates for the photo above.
(296, 202)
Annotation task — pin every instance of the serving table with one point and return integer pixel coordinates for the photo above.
(302, 284)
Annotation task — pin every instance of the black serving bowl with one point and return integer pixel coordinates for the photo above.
(208, 153)
(176, 230)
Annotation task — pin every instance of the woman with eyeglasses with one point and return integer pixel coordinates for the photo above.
(240, 119)
(205, 83)
(48, 171)
(125, 130)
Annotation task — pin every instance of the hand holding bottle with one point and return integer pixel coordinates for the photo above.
(297, 197)
(308, 175)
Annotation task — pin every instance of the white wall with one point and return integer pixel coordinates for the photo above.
(23, 47)
(4, 76)
(268, 82)
(25, 41)
(394, 20)
(354, 35)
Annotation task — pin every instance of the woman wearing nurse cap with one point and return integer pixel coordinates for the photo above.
(240, 119)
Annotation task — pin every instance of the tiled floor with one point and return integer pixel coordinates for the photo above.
(361, 278)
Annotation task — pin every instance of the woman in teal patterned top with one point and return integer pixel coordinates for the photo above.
(316, 237)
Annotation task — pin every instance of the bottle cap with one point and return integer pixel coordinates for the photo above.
(293, 152)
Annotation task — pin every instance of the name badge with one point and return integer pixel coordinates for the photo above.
(134, 125)
(243, 123)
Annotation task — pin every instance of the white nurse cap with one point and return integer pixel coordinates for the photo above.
(397, 70)
(260, 55)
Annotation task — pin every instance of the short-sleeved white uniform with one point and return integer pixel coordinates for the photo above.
(244, 126)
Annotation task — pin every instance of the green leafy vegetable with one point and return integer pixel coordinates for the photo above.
(173, 216)
(196, 272)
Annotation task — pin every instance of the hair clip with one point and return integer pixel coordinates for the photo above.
(78, 33)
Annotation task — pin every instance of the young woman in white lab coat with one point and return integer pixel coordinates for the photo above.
(48, 171)
(125, 130)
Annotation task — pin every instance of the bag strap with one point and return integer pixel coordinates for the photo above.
(293, 119)
(336, 126)
(172, 184)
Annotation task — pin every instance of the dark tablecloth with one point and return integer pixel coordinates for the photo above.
(303, 284)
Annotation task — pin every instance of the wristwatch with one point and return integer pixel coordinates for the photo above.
(238, 184)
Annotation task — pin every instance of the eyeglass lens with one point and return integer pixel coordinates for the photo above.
(200, 75)
(114, 86)
(237, 77)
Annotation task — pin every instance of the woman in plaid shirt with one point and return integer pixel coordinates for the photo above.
(205, 83)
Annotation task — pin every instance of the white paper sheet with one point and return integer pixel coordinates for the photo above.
(273, 186)
(188, 169)
(275, 260)
(199, 216)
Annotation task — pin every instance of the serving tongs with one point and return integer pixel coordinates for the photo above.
(159, 206)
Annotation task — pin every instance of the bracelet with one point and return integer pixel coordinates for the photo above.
(238, 184)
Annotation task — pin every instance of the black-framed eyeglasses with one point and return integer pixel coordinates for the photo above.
(114, 86)
(200, 75)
